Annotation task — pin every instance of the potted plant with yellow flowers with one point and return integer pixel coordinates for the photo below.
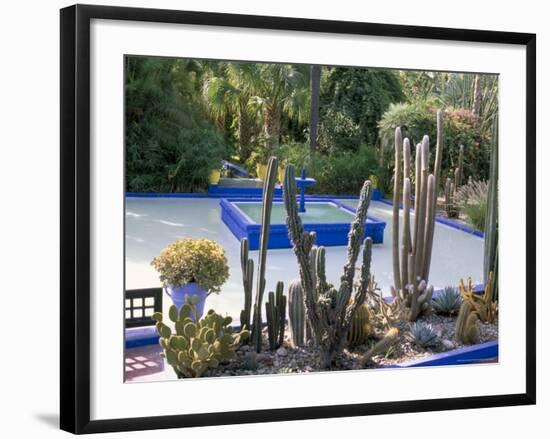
(194, 268)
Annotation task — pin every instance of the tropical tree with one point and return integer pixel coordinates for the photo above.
(229, 94)
(279, 88)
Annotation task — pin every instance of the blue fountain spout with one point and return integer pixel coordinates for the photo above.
(303, 182)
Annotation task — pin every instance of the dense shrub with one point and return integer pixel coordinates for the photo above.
(419, 118)
(352, 102)
(342, 173)
(171, 145)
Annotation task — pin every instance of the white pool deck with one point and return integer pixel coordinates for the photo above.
(152, 223)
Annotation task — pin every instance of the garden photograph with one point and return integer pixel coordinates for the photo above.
(293, 218)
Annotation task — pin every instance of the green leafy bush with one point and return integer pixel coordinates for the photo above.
(341, 173)
(193, 260)
(419, 118)
(171, 145)
(472, 199)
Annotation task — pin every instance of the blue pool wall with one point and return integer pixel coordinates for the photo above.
(327, 234)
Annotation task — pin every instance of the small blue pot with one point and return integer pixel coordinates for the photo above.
(177, 294)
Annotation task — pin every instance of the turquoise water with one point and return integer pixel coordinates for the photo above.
(320, 213)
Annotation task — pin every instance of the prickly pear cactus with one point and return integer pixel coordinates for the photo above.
(196, 346)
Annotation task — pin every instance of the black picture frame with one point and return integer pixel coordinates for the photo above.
(75, 217)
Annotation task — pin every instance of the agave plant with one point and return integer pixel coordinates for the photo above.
(447, 302)
(422, 334)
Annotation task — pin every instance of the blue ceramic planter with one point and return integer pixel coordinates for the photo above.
(177, 294)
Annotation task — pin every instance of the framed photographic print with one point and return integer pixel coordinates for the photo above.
(287, 211)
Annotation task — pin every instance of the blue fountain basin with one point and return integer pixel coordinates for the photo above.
(330, 220)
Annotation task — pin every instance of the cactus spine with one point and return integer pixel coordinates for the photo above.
(275, 310)
(267, 204)
(329, 311)
(389, 339)
(412, 267)
(247, 267)
(296, 314)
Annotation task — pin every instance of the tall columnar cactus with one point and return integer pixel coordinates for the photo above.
(490, 258)
(196, 345)
(267, 203)
(296, 314)
(451, 206)
(411, 266)
(275, 310)
(247, 267)
(329, 311)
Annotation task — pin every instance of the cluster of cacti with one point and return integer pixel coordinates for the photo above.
(411, 260)
(482, 304)
(329, 311)
(275, 310)
(447, 302)
(451, 206)
(296, 314)
(475, 307)
(247, 265)
(196, 345)
(421, 334)
(361, 328)
(465, 326)
(490, 259)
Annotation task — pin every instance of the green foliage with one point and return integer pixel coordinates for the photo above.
(193, 260)
(472, 199)
(421, 334)
(419, 118)
(447, 302)
(341, 173)
(351, 103)
(196, 346)
(171, 145)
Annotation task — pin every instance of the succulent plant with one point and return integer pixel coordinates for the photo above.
(490, 257)
(412, 255)
(329, 311)
(465, 327)
(267, 204)
(360, 329)
(250, 360)
(447, 302)
(451, 206)
(382, 346)
(275, 311)
(247, 267)
(196, 345)
(296, 313)
(421, 334)
(482, 304)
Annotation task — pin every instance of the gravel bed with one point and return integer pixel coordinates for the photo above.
(306, 359)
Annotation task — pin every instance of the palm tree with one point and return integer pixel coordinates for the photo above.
(228, 92)
(279, 88)
(314, 114)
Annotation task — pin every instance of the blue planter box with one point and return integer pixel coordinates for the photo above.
(230, 191)
(327, 234)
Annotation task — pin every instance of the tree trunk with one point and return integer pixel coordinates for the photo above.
(314, 111)
(245, 134)
(272, 128)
